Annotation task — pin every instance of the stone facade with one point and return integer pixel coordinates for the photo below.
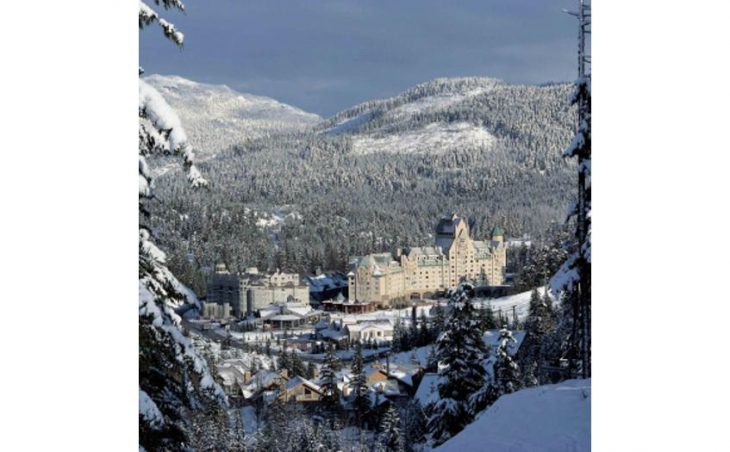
(385, 279)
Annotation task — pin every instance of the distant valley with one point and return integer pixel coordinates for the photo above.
(375, 176)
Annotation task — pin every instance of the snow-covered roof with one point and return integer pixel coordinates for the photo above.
(284, 317)
(332, 334)
(358, 327)
(427, 390)
(297, 380)
(387, 387)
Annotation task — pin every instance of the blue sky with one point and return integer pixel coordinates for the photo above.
(326, 55)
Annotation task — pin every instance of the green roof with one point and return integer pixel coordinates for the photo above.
(497, 231)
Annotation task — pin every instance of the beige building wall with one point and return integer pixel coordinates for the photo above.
(424, 271)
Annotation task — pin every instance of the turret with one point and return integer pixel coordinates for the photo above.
(498, 234)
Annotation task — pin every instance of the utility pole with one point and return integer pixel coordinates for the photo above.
(581, 334)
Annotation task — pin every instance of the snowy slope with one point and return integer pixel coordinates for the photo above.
(396, 125)
(520, 301)
(551, 418)
(216, 116)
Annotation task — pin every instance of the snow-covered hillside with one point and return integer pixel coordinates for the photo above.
(551, 418)
(435, 137)
(418, 120)
(216, 116)
(520, 302)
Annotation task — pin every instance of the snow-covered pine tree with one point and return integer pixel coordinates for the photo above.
(389, 438)
(284, 361)
(306, 438)
(486, 317)
(538, 325)
(311, 370)
(573, 280)
(173, 377)
(361, 401)
(276, 419)
(414, 424)
(297, 365)
(398, 336)
(328, 381)
(424, 332)
(330, 435)
(460, 351)
(506, 371)
(439, 320)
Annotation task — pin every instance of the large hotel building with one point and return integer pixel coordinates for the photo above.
(385, 278)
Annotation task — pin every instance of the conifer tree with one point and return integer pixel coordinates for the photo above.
(389, 438)
(539, 326)
(424, 334)
(311, 370)
(573, 280)
(297, 365)
(361, 401)
(273, 435)
(506, 371)
(173, 378)
(398, 334)
(285, 360)
(439, 320)
(460, 350)
(330, 391)
(414, 425)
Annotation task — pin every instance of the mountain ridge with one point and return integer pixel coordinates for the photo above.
(217, 116)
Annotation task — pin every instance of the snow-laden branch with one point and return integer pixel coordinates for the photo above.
(161, 131)
(147, 15)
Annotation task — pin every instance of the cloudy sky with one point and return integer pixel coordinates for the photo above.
(326, 55)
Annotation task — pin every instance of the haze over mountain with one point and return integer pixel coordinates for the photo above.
(375, 176)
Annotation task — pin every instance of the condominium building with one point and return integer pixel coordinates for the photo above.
(252, 290)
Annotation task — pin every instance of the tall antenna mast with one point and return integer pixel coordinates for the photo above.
(581, 310)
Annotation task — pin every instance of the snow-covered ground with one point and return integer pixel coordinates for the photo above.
(436, 137)
(551, 418)
(392, 314)
(520, 301)
(216, 116)
(437, 102)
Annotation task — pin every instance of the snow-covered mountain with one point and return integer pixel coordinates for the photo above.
(433, 117)
(487, 149)
(216, 116)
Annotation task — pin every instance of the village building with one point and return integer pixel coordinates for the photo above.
(377, 332)
(326, 286)
(342, 304)
(289, 315)
(422, 272)
(299, 389)
(252, 290)
(223, 288)
(216, 311)
(258, 290)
